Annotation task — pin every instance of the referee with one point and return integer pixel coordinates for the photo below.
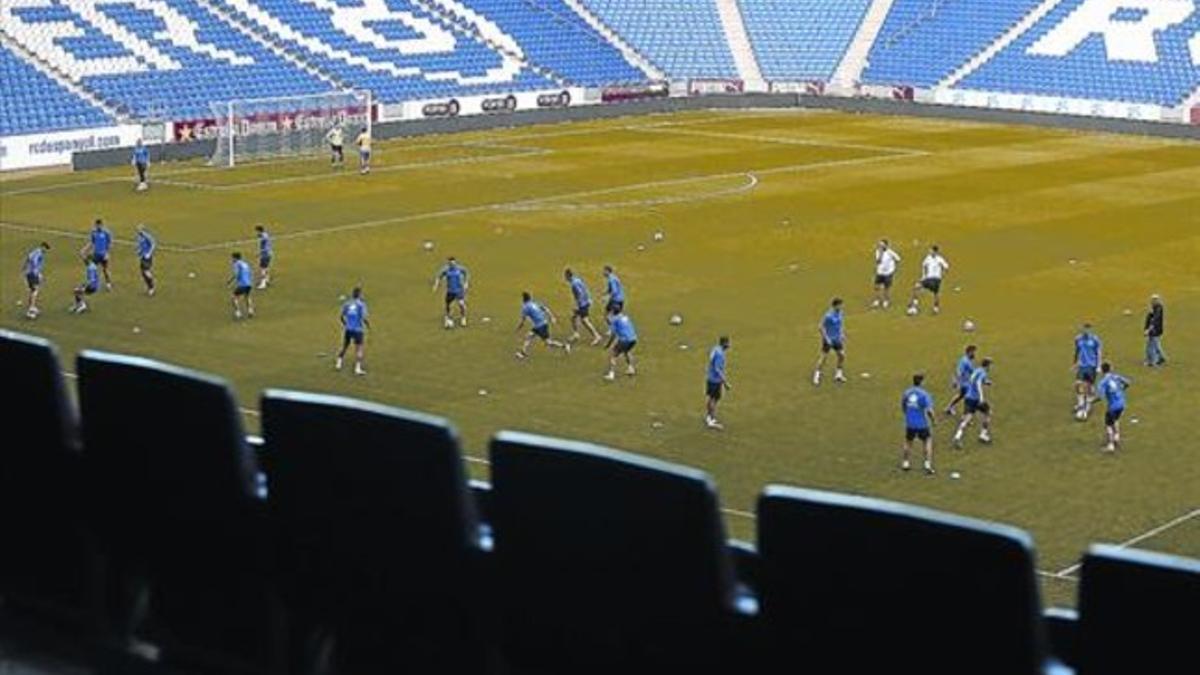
(1153, 330)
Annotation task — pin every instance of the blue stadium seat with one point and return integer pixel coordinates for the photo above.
(924, 41)
(607, 562)
(174, 493)
(936, 593)
(48, 559)
(1138, 612)
(1170, 73)
(380, 531)
(553, 36)
(801, 40)
(32, 102)
(450, 62)
(683, 39)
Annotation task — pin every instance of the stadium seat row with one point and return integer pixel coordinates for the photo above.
(349, 539)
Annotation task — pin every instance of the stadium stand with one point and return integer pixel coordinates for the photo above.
(801, 41)
(185, 57)
(1055, 58)
(923, 41)
(554, 37)
(400, 51)
(368, 498)
(682, 39)
(1138, 612)
(182, 523)
(606, 562)
(33, 102)
(584, 556)
(882, 566)
(46, 560)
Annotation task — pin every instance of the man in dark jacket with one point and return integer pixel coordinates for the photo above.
(1153, 330)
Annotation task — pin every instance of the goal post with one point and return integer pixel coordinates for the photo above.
(286, 126)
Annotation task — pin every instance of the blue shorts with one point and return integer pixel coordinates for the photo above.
(582, 311)
(615, 306)
(89, 290)
(624, 346)
(916, 432)
(33, 281)
(835, 345)
(973, 406)
(355, 336)
(451, 296)
(542, 331)
(100, 258)
(1111, 417)
(962, 390)
(364, 155)
(264, 261)
(1086, 374)
(242, 290)
(713, 389)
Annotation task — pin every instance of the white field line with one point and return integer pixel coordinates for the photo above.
(523, 204)
(51, 231)
(667, 128)
(497, 141)
(749, 183)
(1153, 532)
(350, 172)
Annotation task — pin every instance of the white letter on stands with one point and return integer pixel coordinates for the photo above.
(1124, 40)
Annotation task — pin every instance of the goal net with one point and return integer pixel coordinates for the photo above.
(286, 126)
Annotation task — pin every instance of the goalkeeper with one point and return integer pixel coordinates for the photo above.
(334, 138)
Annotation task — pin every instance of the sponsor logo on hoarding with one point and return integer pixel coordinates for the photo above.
(634, 92)
(448, 109)
(715, 86)
(560, 100)
(499, 105)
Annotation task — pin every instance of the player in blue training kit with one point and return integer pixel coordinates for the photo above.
(141, 163)
(266, 252)
(716, 382)
(354, 326)
(1087, 359)
(243, 282)
(623, 334)
(34, 269)
(962, 377)
(833, 338)
(456, 289)
(145, 249)
(539, 317)
(583, 307)
(100, 241)
(1112, 388)
(917, 406)
(975, 402)
(614, 292)
(91, 284)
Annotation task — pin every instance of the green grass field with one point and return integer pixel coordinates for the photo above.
(766, 216)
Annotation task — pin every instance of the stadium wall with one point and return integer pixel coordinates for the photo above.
(442, 124)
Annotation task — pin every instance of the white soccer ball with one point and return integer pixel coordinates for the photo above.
(676, 320)
(1081, 414)
(659, 236)
(641, 247)
(911, 311)
(428, 245)
(968, 325)
(449, 323)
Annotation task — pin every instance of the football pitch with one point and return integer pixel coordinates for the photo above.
(765, 215)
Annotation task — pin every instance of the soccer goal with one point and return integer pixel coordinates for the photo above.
(286, 126)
